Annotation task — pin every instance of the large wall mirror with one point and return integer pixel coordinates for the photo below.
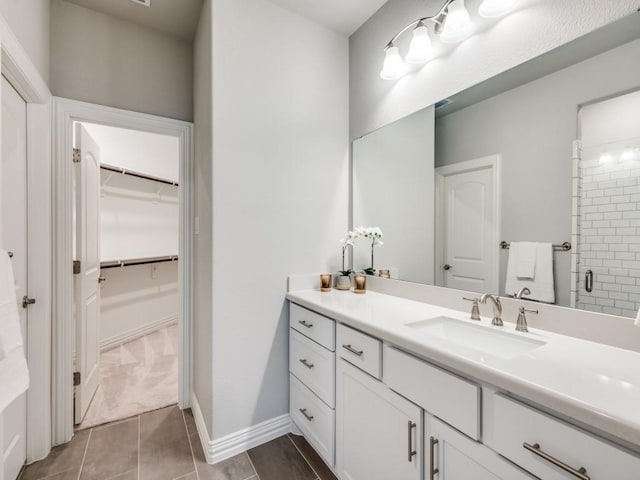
(528, 178)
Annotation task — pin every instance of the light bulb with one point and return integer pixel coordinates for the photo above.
(420, 50)
(393, 67)
(606, 157)
(496, 8)
(628, 155)
(457, 24)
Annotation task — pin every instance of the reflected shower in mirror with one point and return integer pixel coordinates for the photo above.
(505, 170)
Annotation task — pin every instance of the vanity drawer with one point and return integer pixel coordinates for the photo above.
(313, 325)
(313, 365)
(359, 349)
(513, 425)
(454, 400)
(314, 418)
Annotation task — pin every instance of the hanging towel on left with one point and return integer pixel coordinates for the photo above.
(541, 283)
(14, 374)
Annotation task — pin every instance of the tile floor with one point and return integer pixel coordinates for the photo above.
(164, 445)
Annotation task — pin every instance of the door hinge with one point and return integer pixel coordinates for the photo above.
(76, 267)
(76, 379)
(76, 155)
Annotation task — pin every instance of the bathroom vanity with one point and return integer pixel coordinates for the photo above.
(389, 388)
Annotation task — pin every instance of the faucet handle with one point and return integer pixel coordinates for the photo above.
(521, 323)
(475, 309)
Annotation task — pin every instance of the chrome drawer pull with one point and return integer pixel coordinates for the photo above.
(305, 363)
(410, 452)
(581, 473)
(306, 415)
(432, 444)
(305, 324)
(353, 350)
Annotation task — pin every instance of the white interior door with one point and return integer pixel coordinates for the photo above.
(14, 239)
(87, 288)
(468, 200)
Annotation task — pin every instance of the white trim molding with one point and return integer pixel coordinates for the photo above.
(226, 447)
(138, 332)
(22, 74)
(494, 163)
(65, 112)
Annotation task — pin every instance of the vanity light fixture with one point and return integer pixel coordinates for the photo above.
(452, 23)
(606, 157)
(628, 155)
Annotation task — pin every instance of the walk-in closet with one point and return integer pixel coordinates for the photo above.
(126, 291)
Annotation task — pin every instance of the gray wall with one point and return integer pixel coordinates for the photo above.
(533, 128)
(29, 20)
(202, 250)
(100, 59)
(280, 202)
(393, 188)
(496, 47)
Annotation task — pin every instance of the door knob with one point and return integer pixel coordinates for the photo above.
(447, 266)
(26, 301)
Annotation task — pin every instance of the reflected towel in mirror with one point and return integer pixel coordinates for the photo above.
(541, 285)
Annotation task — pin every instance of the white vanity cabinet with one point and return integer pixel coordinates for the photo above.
(378, 432)
(312, 378)
(453, 456)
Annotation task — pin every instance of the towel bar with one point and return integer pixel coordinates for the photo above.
(564, 247)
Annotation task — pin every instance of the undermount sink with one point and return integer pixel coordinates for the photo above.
(483, 339)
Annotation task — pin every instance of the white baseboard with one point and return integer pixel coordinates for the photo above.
(138, 332)
(226, 447)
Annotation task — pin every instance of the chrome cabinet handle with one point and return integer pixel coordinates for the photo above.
(305, 324)
(588, 281)
(580, 473)
(432, 471)
(410, 451)
(303, 411)
(305, 363)
(353, 350)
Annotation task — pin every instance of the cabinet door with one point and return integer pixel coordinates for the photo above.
(457, 457)
(378, 432)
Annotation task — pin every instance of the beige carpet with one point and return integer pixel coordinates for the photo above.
(136, 377)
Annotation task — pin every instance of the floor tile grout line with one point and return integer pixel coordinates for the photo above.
(193, 457)
(84, 455)
(304, 458)
(139, 446)
(252, 465)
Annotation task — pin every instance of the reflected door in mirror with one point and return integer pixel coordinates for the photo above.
(468, 226)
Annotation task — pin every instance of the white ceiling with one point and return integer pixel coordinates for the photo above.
(178, 18)
(344, 16)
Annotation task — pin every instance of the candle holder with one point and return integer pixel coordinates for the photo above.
(325, 282)
(384, 273)
(360, 283)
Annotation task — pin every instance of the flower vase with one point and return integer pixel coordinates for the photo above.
(343, 282)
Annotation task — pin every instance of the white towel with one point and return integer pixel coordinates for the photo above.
(541, 285)
(525, 254)
(14, 376)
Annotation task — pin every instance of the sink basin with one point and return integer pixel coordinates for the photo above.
(480, 338)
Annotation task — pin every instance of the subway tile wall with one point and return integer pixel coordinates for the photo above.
(607, 227)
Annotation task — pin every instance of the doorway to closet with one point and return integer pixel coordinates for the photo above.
(126, 272)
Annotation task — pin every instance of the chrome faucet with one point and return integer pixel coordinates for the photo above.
(521, 323)
(522, 291)
(497, 308)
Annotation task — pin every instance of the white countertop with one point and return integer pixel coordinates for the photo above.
(596, 385)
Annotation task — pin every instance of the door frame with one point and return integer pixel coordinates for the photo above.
(23, 75)
(65, 112)
(494, 163)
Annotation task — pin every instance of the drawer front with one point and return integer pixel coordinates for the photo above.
(515, 424)
(313, 365)
(361, 350)
(314, 418)
(454, 400)
(313, 325)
